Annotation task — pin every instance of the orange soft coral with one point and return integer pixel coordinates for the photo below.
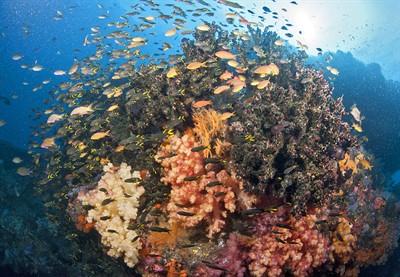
(83, 225)
(208, 125)
(343, 242)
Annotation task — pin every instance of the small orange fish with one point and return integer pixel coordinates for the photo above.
(226, 75)
(48, 142)
(221, 89)
(225, 55)
(104, 161)
(119, 148)
(237, 88)
(270, 69)
(241, 70)
(226, 115)
(100, 135)
(263, 84)
(365, 164)
(201, 103)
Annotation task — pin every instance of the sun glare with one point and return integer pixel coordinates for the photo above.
(305, 24)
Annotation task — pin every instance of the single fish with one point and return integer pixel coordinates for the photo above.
(183, 213)
(107, 201)
(159, 229)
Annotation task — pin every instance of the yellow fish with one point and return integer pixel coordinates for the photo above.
(119, 148)
(233, 63)
(357, 127)
(113, 107)
(172, 73)
(237, 88)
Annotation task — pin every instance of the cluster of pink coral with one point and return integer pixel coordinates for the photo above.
(185, 163)
(191, 200)
(232, 258)
(297, 247)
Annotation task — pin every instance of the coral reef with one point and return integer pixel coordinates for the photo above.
(242, 164)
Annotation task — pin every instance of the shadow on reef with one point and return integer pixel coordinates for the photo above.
(31, 244)
(391, 268)
(378, 99)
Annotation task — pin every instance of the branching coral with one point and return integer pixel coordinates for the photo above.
(115, 203)
(209, 126)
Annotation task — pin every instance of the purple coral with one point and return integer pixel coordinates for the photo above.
(232, 258)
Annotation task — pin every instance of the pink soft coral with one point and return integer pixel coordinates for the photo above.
(193, 201)
(232, 258)
(298, 249)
